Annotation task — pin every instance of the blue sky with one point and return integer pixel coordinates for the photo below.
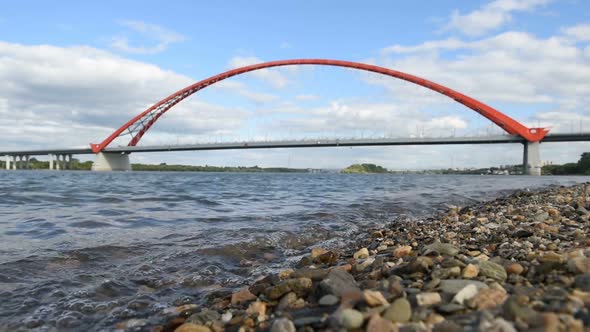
(74, 71)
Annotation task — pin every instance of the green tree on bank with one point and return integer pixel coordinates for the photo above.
(364, 169)
(87, 165)
(582, 167)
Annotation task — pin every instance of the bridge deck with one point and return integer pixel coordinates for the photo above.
(308, 143)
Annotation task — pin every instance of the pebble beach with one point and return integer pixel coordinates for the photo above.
(517, 263)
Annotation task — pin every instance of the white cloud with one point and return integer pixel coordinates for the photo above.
(563, 121)
(446, 44)
(352, 119)
(490, 16)
(580, 32)
(271, 76)
(242, 90)
(162, 36)
(73, 96)
(512, 67)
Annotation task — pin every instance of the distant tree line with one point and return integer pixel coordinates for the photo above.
(582, 167)
(187, 168)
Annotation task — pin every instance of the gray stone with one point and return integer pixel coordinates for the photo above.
(581, 210)
(453, 286)
(414, 327)
(400, 311)
(582, 282)
(201, 318)
(282, 325)
(450, 308)
(514, 310)
(419, 264)
(447, 326)
(313, 274)
(447, 273)
(338, 282)
(492, 270)
(329, 300)
(540, 217)
(441, 249)
(579, 265)
(497, 325)
(287, 301)
(350, 319)
(298, 285)
(306, 321)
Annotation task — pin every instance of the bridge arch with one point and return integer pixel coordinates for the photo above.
(140, 124)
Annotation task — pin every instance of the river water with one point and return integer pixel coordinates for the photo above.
(84, 250)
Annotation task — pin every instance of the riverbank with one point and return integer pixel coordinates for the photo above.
(520, 262)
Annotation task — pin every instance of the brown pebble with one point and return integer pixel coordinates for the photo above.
(550, 321)
(470, 271)
(514, 268)
(395, 288)
(488, 298)
(329, 257)
(377, 234)
(243, 295)
(374, 298)
(402, 251)
(378, 324)
(285, 274)
(190, 327)
(258, 308)
(315, 252)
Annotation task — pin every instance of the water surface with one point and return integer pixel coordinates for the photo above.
(83, 250)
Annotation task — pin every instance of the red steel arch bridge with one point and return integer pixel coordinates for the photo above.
(117, 158)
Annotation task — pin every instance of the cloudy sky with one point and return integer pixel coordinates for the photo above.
(71, 72)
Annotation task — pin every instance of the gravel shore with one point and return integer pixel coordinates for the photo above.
(518, 263)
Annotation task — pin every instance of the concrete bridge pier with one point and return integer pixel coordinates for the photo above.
(70, 162)
(13, 163)
(22, 162)
(7, 161)
(106, 161)
(27, 162)
(532, 159)
(64, 163)
(50, 161)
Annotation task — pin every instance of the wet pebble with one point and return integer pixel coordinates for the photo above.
(400, 311)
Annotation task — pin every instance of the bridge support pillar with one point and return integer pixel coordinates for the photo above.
(105, 161)
(57, 162)
(70, 162)
(7, 160)
(14, 162)
(50, 162)
(64, 164)
(532, 159)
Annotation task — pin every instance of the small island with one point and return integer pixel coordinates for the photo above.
(364, 169)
